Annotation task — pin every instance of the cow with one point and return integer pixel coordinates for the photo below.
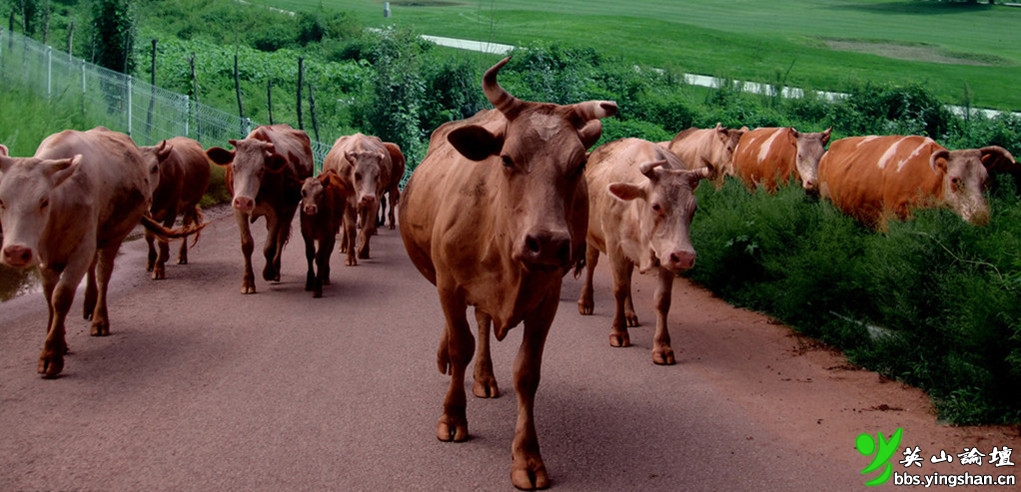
(365, 164)
(875, 177)
(641, 202)
(393, 191)
(696, 146)
(184, 178)
(67, 209)
(264, 175)
(494, 216)
(768, 157)
(323, 199)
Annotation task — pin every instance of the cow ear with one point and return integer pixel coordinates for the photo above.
(795, 133)
(626, 191)
(591, 132)
(61, 169)
(475, 142)
(275, 163)
(220, 156)
(938, 161)
(826, 135)
(3, 150)
(997, 159)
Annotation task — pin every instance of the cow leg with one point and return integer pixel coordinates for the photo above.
(192, 216)
(310, 253)
(272, 248)
(528, 471)
(381, 214)
(622, 269)
(395, 196)
(368, 221)
(89, 306)
(150, 261)
(323, 258)
(662, 353)
(347, 244)
(485, 382)
(453, 424)
(247, 247)
(159, 272)
(104, 270)
(586, 305)
(59, 293)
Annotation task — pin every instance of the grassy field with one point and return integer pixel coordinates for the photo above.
(824, 44)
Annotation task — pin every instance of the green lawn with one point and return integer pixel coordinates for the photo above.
(947, 46)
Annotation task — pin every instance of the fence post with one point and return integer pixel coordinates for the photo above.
(128, 96)
(49, 71)
(187, 113)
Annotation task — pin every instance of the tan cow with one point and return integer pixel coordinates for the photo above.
(67, 209)
(365, 165)
(264, 175)
(393, 189)
(770, 156)
(872, 178)
(697, 146)
(323, 199)
(184, 178)
(641, 202)
(494, 216)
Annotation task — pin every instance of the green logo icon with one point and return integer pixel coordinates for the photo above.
(884, 449)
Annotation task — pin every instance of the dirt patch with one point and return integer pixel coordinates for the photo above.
(922, 53)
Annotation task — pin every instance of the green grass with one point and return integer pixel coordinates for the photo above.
(756, 40)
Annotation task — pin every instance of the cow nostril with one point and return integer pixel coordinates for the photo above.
(532, 244)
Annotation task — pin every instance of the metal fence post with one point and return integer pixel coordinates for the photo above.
(128, 96)
(186, 113)
(49, 71)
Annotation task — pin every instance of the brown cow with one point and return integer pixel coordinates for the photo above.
(498, 234)
(365, 164)
(184, 178)
(67, 209)
(716, 146)
(265, 172)
(393, 190)
(323, 199)
(871, 178)
(641, 202)
(770, 156)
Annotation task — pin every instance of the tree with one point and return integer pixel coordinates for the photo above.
(113, 28)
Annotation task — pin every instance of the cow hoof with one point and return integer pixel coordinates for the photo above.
(100, 329)
(363, 255)
(632, 319)
(485, 388)
(531, 477)
(585, 307)
(51, 364)
(663, 357)
(149, 265)
(620, 340)
(247, 289)
(182, 261)
(159, 273)
(351, 262)
(317, 294)
(451, 432)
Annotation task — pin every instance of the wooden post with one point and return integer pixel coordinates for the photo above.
(70, 44)
(301, 74)
(312, 111)
(195, 96)
(152, 93)
(237, 86)
(269, 98)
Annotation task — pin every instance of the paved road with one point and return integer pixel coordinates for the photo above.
(202, 388)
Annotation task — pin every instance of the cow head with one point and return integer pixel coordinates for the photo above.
(809, 147)
(365, 173)
(536, 164)
(723, 151)
(664, 214)
(26, 186)
(153, 157)
(965, 177)
(250, 160)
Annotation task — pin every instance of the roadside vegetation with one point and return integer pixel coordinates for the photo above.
(932, 302)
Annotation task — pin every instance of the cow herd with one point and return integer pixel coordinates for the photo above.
(501, 208)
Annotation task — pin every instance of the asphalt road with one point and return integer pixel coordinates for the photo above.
(201, 388)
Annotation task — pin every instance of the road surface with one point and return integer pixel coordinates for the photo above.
(201, 388)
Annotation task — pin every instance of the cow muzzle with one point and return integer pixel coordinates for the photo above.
(367, 201)
(544, 251)
(679, 261)
(243, 204)
(17, 256)
(310, 209)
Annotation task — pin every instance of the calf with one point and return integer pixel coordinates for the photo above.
(184, 178)
(264, 175)
(494, 216)
(873, 178)
(641, 202)
(323, 199)
(770, 156)
(67, 209)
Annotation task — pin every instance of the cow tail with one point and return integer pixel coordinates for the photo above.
(166, 234)
(579, 266)
(200, 218)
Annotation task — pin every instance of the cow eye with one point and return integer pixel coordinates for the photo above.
(657, 208)
(45, 202)
(358, 176)
(2, 204)
(507, 161)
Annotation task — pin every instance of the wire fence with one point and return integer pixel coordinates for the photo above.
(120, 102)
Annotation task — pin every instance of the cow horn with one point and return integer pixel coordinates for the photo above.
(648, 168)
(498, 96)
(591, 110)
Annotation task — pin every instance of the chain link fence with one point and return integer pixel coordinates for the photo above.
(120, 102)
